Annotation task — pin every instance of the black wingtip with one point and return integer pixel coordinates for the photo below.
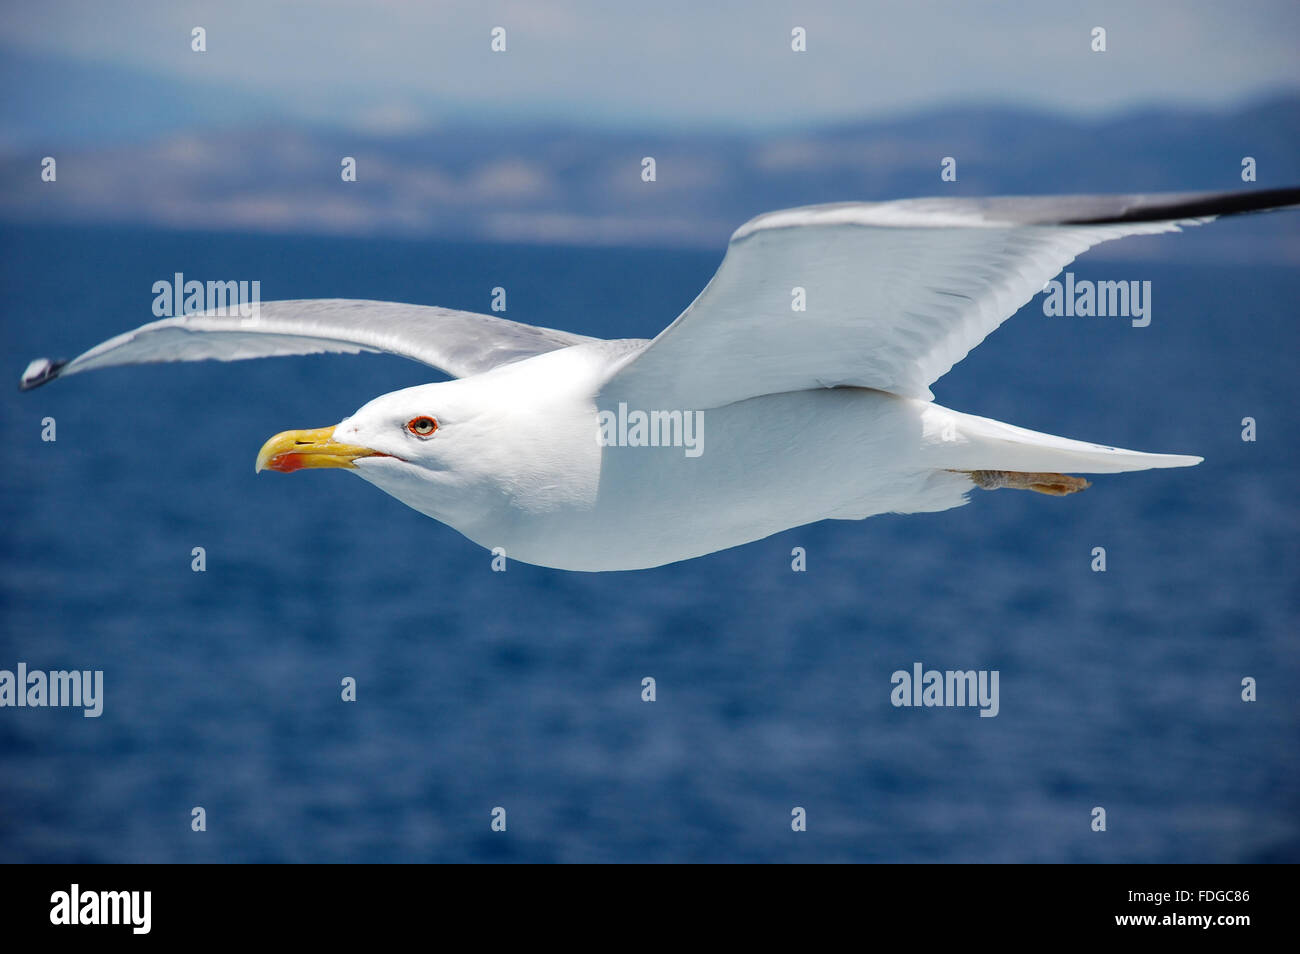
(39, 372)
(1198, 205)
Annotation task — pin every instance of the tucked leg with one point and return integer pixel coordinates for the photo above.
(1058, 485)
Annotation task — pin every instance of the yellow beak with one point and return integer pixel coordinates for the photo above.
(294, 450)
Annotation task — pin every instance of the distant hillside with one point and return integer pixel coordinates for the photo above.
(195, 158)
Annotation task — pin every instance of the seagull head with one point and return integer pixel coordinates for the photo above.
(460, 451)
(426, 445)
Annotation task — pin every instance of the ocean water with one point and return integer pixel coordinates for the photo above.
(523, 689)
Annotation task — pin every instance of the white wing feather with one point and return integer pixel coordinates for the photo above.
(896, 293)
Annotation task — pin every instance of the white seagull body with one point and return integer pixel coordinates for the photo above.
(764, 418)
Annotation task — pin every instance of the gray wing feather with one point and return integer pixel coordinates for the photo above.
(460, 343)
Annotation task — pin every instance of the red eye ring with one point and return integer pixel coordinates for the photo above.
(422, 426)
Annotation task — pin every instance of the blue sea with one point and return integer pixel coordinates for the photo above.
(523, 690)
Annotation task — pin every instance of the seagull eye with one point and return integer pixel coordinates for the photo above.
(422, 426)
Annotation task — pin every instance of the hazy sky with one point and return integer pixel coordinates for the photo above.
(390, 63)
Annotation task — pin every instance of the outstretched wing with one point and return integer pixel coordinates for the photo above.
(459, 343)
(895, 293)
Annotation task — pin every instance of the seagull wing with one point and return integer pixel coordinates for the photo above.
(895, 293)
(459, 343)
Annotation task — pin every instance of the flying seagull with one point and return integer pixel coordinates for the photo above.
(742, 418)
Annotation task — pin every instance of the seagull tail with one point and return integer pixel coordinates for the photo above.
(972, 443)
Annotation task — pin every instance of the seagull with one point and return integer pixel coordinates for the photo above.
(745, 417)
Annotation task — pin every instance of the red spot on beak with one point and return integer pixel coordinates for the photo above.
(285, 463)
